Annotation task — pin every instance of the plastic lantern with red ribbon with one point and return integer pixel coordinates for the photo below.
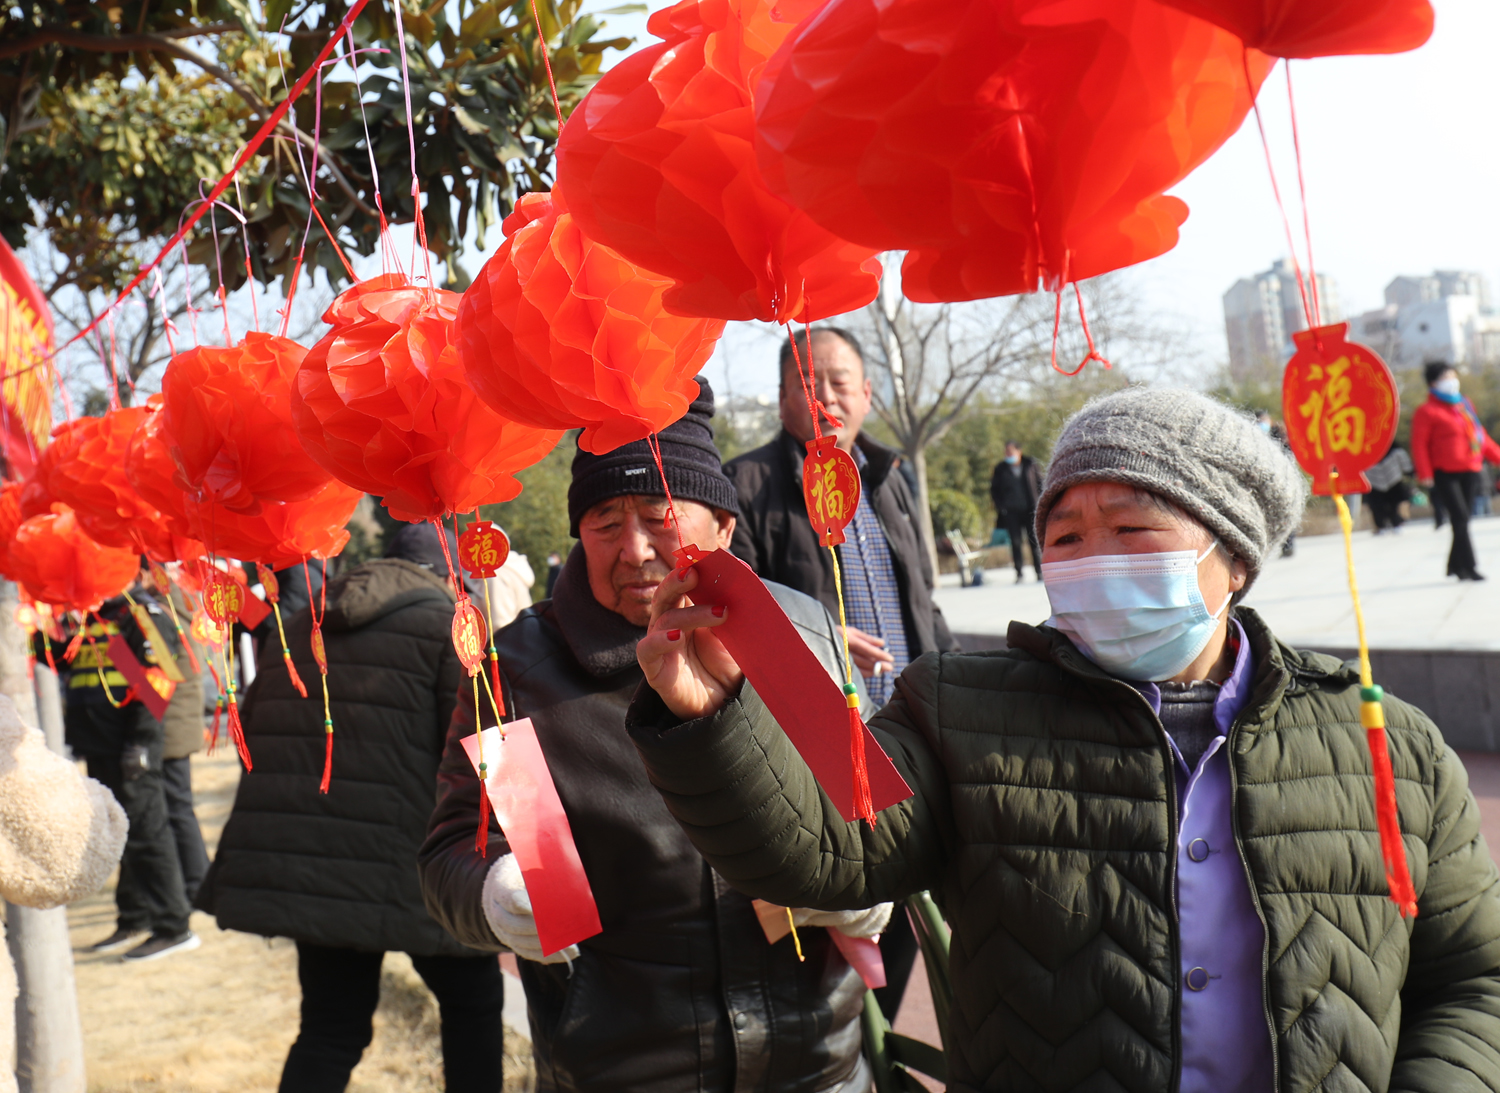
(560, 332)
(1299, 28)
(658, 163)
(58, 564)
(1002, 144)
(382, 404)
(228, 425)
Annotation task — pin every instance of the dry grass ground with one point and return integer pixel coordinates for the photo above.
(220, 1020)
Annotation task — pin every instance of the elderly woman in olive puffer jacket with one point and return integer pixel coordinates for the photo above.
(1150, 824)
(60, 836)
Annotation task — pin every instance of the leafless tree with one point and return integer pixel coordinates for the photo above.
(930, 362)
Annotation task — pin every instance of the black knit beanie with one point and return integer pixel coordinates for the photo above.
(695, 470)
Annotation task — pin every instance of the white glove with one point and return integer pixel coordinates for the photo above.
(507, 908)
(870, 922)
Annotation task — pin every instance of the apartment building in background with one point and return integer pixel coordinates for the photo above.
(1261, 313)
(1444, 316)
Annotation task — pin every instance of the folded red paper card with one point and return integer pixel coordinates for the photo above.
(531, 815)
(792, 682)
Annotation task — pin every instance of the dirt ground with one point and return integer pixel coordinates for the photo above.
(220, 1020)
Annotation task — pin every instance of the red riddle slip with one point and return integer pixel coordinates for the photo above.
(536, 827)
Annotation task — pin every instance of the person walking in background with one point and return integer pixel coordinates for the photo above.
(681, 990)
(1449, 446)
(123, 746)
(182, 738)
(1388, 489)
(337, 871)
(886, 568)
(1014, 487)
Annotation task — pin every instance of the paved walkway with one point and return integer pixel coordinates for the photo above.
(1408, 603)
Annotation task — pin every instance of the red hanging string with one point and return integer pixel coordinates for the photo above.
(1312, 276)
(671, 518)
(547, 63)
(1093, 353)
(1286, 224)
(267, 127)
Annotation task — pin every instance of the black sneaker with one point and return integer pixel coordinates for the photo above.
(159, 945)
(115, 941)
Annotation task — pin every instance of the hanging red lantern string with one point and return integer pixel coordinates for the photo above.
(382, 404)
(658, 163)
(320, 658)
(1041, 142)
(560, 332)
(223, 597)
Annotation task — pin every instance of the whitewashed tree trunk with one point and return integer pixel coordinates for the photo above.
(49, 1036)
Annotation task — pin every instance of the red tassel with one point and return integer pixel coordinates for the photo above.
(327, 753)
(237, 733)
(72, 650)
(1392, 849)
(864, 807)
(482, 836)
(291, 670)
(213, 741)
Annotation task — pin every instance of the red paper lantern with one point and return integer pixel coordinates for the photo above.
(1341, 408)
(381, 402)
(560, 332)
(658, 163)
(280, 534)
(1326, 28)
(90, 477)
(151, 472)
(10, 520)
(1001, 142)
(228, 424)
(60, 565)
(36, 491)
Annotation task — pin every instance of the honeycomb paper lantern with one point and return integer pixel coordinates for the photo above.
(60, 565)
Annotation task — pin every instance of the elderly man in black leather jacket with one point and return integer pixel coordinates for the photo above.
(681, 990)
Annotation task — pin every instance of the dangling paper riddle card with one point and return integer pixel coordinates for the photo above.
(792, 682)
(530, 813)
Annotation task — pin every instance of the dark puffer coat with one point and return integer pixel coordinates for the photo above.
(341, 869)
(1045, 817)
(680, 992)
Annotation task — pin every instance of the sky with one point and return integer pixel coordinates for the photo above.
(1403, 177)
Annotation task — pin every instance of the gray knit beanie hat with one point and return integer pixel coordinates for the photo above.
(1212, 462)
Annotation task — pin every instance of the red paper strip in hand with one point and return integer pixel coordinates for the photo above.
(536, 827)
(253, 611)
(154, 692)
(830, 487)
(792, 682)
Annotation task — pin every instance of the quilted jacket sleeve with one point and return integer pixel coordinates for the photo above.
(1450, 1027)
(751, 806)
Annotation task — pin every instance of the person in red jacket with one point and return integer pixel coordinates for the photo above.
(1449, 446)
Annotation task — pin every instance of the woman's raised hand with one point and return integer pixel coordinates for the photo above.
(683, 659)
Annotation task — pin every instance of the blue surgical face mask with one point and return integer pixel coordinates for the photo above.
(1265, 426)
(1013, 459)
(1447, 389)
(1137, 616)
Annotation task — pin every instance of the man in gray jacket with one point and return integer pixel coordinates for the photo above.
(681, 989)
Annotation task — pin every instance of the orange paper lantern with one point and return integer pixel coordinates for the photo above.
(1002, 143)
(93, 482)
(227, 422)
(151, 472)
(659, 164)
(381, 403)
(280, 534)
(10, 520)
(1319, 28)
(36, 491)
(60, 565)
(560, 332)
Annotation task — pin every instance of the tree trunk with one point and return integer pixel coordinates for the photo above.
(49, 1037)
(925, 530)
